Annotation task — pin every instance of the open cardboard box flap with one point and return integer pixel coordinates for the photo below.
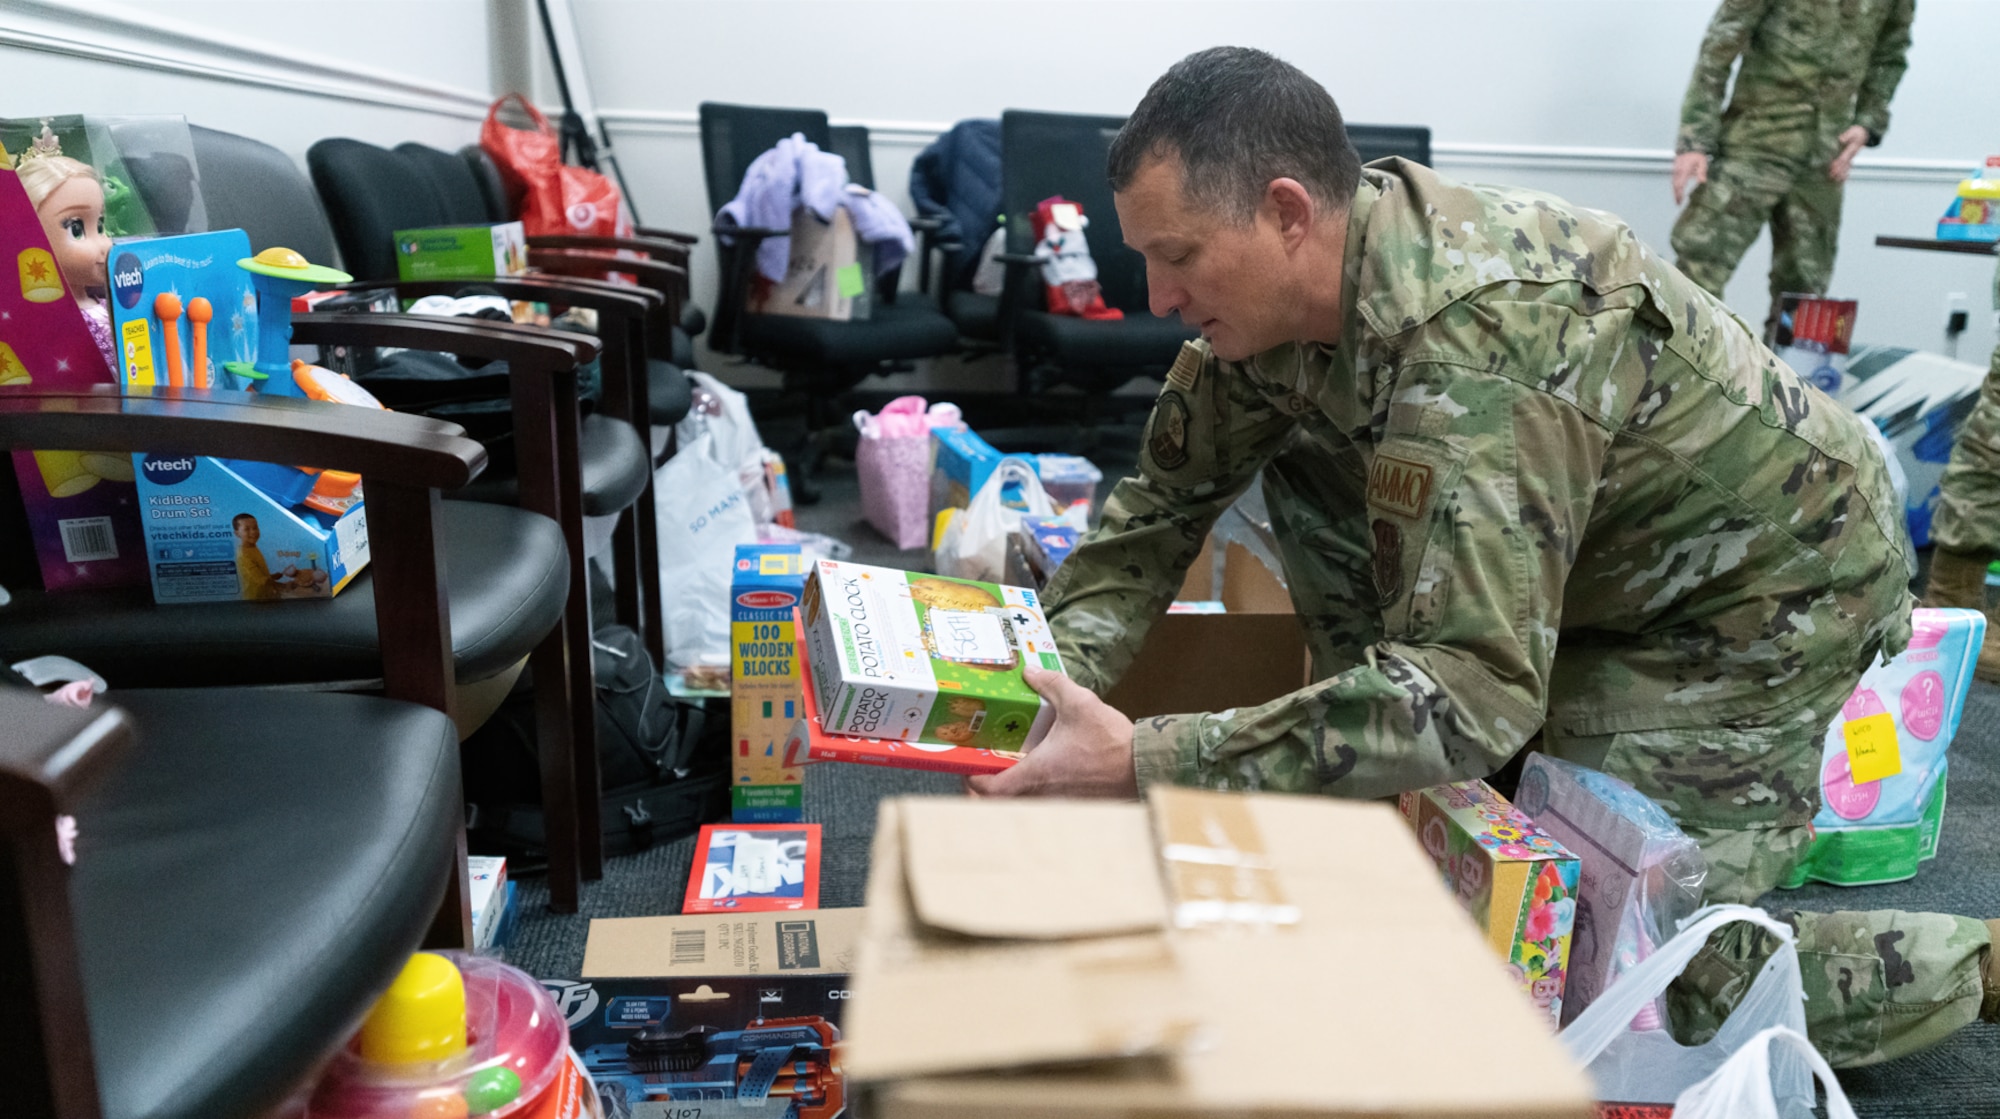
(1338, 979)
(1212, 662)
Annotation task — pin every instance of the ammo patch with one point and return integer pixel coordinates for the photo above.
(1399, 486)
(1187, 368)
(1168, 446)
(1388, 559)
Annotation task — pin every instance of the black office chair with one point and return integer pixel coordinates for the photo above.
(819, 358)
(955, 183)
(1045, 154)
(252, 872)
(1380, 141)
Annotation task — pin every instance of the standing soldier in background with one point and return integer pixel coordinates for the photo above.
(1813, 90)
(1967, 526)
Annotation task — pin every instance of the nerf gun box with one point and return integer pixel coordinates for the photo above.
(1883, 766)
(461, 252)
(764, 683)
(910, 657)
(739, 1009)
(1515, 879)
(184, 313)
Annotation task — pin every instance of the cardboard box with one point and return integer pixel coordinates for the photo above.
(765, 682)
(1252, 653)
(1518, 882)
(910, 657)
(1296, 958)
(715, 993)
(827, 275)
(461, 252)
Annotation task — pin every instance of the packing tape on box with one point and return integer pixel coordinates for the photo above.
(1218, 872)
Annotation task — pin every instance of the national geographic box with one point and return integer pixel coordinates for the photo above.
(461, 252)
(905, 656)
(764, 683)
(742, 1010)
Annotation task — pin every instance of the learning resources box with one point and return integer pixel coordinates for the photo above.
(1516, 880)
(462, 252)
(904, 656)
(764, 683)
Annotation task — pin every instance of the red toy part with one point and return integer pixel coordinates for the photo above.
(1069, 272)
(824, 1083)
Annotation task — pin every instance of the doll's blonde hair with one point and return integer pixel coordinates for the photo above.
(42, 174)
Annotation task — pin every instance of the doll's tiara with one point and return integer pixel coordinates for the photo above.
(41, 147)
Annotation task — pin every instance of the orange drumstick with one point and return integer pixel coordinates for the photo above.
(168, 307)
(199, 312)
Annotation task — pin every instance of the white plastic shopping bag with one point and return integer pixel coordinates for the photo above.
(1648, 1066)
(1742, 1088)
(974, 545)
(703, 515)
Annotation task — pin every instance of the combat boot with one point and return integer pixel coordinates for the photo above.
(1959, 579)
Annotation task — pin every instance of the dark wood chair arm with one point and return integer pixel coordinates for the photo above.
(49, 754)
(569, 262)
(666, 234)
(673, 252)
(571, 292)
(524, 346)
(413, 450)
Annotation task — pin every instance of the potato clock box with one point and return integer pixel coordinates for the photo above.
(740, 1010)
(764, 682)
(461, 252)
(904, 656)
(1882, 766)
(1515, 879)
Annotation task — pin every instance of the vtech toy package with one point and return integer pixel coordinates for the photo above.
(904, 656)
(1518, 882)
(1882, 770)
(1639, 873)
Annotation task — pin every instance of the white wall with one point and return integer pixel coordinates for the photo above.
(1578, 97)
(288, 72)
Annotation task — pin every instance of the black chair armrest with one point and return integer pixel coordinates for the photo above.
(522, 347)
(616, 299)
(926, 225)
(49, 754)
(1017, 260)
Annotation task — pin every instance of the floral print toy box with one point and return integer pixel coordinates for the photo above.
(1516, 880)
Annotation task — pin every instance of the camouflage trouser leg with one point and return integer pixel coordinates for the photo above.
(1805, 232)
(1878, 984)
(1724, 215)
(1968, 509)
(1318, 513)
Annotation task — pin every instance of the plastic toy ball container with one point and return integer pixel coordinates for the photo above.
(458, 1037)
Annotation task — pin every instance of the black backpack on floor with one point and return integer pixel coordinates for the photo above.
(664, 762)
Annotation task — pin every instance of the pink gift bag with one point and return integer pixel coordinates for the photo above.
(893, 459)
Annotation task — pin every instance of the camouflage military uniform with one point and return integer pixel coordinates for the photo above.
(1811, 69)
(1543, 484)
(1968, 510)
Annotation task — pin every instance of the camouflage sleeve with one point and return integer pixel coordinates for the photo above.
(1886, 64)
(1210, 432)
(1476, 500)
(1701, 110)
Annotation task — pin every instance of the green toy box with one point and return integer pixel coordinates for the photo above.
(461, 252)
(904, 656)
(764, 683)
(1515, 879)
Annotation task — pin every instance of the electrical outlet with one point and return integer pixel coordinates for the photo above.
(1955, 317)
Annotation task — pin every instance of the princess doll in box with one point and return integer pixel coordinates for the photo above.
(69, 197)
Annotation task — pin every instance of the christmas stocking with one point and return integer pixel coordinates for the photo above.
(1068, 272)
